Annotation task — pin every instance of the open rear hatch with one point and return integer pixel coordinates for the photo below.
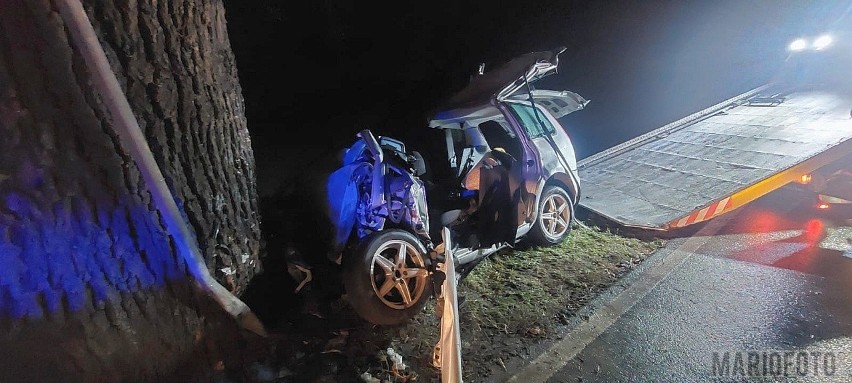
(475, 101)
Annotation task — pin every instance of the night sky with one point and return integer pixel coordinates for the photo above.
(315, 72)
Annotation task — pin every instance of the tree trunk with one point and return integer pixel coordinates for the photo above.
(91, 287)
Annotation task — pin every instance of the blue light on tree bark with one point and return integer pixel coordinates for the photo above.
(71, 255)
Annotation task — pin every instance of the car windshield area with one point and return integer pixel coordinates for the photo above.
(534, 125)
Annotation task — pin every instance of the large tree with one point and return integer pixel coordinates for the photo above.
(92, 287)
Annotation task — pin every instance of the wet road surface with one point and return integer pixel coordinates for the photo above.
(763, 295)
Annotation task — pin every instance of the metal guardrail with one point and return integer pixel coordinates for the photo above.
(670, 127)
(447, 353)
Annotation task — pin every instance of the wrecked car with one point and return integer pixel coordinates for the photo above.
(506, 173)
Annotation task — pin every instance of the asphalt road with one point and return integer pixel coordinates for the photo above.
(762, 294)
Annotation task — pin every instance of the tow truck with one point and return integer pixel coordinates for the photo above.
(723, 157)
(794, 131)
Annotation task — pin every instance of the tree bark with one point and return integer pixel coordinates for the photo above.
(91, 287)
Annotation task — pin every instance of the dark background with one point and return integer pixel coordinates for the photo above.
(315, 72)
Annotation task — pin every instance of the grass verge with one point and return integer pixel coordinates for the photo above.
(516, 290)
(517, 297)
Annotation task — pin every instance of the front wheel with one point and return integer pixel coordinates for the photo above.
(555, 216)
(386, 278)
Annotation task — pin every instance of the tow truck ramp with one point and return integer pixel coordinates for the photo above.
(718, 159)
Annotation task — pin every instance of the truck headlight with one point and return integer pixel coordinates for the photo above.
(797, 45)
(823, 42)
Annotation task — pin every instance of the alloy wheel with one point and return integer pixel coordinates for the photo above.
(399, 274)
(556, 215)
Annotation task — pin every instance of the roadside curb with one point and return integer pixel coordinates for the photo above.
(603, 310)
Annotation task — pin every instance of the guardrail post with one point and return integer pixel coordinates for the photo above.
(447, 353)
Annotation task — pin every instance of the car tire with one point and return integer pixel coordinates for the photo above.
(381, 286)
(554, 217)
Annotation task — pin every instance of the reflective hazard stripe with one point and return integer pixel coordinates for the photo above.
(830, 199)
(704, 214)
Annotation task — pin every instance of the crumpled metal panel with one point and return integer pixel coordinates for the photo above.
(667, 178)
